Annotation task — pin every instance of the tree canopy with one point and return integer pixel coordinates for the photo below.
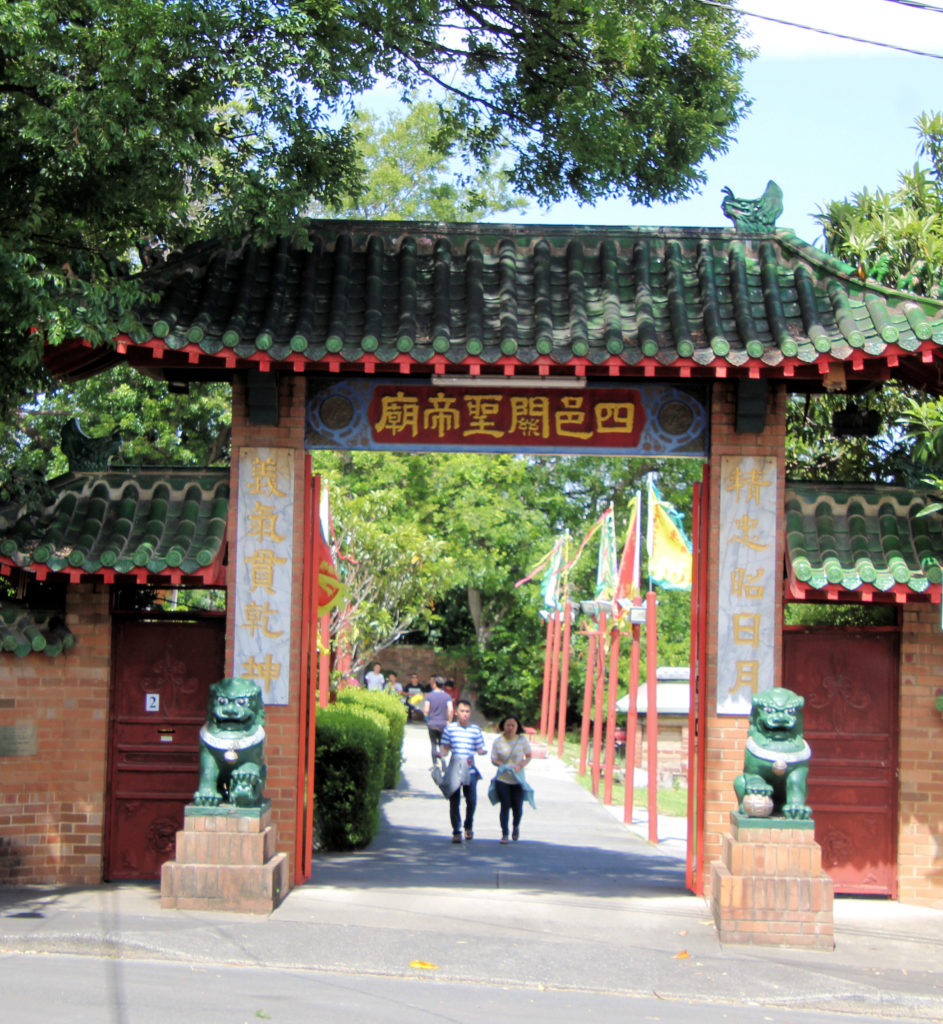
(131, 127)
(894, 236)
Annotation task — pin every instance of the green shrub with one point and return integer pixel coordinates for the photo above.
(391, 707)
(348, 775)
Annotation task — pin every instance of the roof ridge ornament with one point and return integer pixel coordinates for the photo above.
(754, 215)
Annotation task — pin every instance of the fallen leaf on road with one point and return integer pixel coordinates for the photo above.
(422, 965)
(683, 955)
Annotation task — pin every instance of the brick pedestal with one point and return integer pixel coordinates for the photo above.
(769, 887)
(225, 860)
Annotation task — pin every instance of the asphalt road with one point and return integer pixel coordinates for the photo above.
(91, 990)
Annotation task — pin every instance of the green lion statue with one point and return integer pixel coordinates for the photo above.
(776, 762)
(232, 746)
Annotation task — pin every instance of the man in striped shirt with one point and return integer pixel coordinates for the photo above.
(463, 739)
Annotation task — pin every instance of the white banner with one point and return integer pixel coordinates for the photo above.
(265, 520)
(746, 598)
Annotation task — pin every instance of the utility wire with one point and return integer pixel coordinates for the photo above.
(917, 4)
(825, 31)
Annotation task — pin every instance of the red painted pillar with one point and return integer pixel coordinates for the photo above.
(651, 719)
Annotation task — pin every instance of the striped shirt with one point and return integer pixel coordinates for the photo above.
(464, 741)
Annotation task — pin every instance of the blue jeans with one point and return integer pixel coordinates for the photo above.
(471, 802)
(511, 799)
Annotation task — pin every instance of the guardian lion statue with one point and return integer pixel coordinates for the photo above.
(232, 746)
(776, 762)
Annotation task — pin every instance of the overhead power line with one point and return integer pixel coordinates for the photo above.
(828, 32)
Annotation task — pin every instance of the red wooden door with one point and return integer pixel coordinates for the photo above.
(161, 679)
(850, 681)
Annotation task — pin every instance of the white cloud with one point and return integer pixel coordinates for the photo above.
(879, 20)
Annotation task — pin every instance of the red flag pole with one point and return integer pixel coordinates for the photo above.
(611, 713)
(597, 703)
(591, 636)
(545, 689)
(631, 725)
(651, 720)
(554, 676)
(564, 678)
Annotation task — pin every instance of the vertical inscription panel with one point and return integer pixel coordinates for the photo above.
(746, 599)
(264, 557)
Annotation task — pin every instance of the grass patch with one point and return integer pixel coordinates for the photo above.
(672, 802)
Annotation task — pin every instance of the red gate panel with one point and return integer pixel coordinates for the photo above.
(162, 675)
(850, 681)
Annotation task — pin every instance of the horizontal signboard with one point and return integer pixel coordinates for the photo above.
(392, 414)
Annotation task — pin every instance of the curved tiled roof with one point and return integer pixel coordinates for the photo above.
(144, 523)
(616, 301)
(24, 631)
(864, 541)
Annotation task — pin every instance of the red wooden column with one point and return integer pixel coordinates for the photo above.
(564, 676)
(592, 637)
(631, 725)
(651, 719)
(614, 637)
(554, 676)
(598, 703)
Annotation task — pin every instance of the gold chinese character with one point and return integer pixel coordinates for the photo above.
(747, 528)
(262, 672)
(265, 478)
(571, 415)
(482, 410)
(752, 481)
(440, 414)
(615, 417)
(747, 584)
(262, 569)
(399, 414)
(530, 416)
(746, 629)
(257, 618)
(262, 523)
(748, 675)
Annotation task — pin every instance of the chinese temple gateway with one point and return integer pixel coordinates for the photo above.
(417, 337)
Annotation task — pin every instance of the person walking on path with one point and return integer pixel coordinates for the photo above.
(374, 678)
(511, 753)
(437, 708)
(463, 739)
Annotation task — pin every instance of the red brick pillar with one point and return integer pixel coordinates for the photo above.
(725, 735)
(281, 721)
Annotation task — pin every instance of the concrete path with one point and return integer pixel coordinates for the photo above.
(581, 903)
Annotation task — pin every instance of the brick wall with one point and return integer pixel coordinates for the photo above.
(52, 802)
(920, 830)
(725, 735)
(281, 721)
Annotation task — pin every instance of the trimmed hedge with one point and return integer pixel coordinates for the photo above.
(350, 756)
(391, 707)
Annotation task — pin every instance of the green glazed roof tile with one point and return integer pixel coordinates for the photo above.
(26, 631)
(447, 293)
(157, 521)
(859, 536)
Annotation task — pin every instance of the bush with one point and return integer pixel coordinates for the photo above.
(348, 775)
(391, 707)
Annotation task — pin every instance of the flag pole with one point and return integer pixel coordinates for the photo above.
(591, 637)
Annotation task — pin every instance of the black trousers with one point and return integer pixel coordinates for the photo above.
(511, 799)
(470, 792)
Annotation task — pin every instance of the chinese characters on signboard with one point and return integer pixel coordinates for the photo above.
(262, 640)
(388, 414)
(523, 419)
(746, 626)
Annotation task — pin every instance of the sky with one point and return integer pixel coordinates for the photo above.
(829, 117)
